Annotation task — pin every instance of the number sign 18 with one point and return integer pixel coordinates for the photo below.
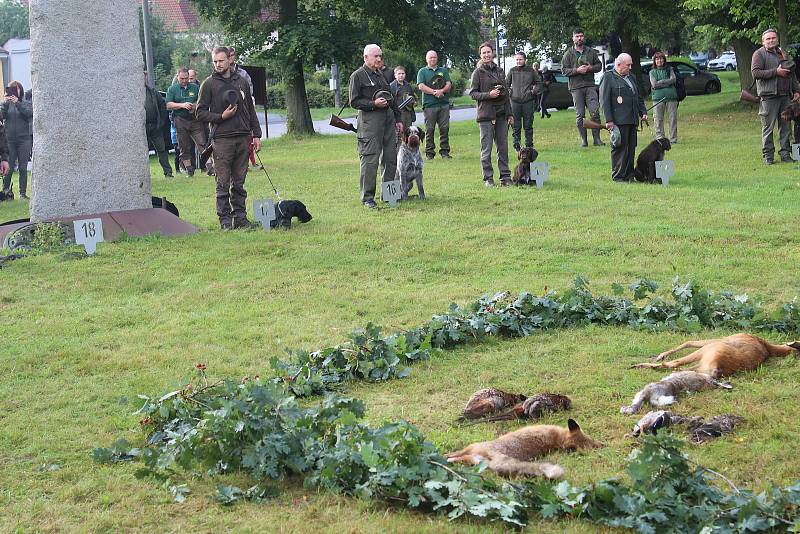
(89, 232)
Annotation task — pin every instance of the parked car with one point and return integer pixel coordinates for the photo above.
(700, 59)
(727, 61)
(559, 96)
(697, 82)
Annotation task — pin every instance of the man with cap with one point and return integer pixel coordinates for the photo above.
(379, 122)
(226, 103)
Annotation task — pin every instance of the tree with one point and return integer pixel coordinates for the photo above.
(291, 35)
(164, 43)
(739, 23)
(633, 22)
(13, 20)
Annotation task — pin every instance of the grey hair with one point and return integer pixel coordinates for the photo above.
(769, 30)
(370, 47)
(623, 55)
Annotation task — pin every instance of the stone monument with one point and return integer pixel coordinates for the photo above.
(90, 148)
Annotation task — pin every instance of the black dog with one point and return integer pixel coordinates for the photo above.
(285, 210)
(7, 194)
(645, 170)
(522, 174)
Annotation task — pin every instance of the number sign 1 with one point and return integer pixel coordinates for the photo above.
(89, 232)
(391, 192)
(540, 172)
(264, 212)
(664, 171)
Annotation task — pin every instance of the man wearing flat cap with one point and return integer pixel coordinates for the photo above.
(379, 122)
(226, 103)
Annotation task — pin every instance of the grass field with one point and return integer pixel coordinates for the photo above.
(82, 337)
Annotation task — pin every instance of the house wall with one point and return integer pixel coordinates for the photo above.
(19, 61)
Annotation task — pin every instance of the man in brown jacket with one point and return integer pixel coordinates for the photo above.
(526, 86)
(579, 64)
(775, 83)
(226, 103)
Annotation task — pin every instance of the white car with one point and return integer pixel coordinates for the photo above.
(727, 61)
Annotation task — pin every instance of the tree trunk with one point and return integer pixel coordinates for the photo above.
(782, 33)
(298, 114)
(631, 45)
(744, 49)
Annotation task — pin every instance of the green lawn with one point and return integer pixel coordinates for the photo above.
(82, 337)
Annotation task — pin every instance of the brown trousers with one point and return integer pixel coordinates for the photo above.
(231, 160)
(188, 132)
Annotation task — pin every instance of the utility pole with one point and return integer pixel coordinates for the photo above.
(148, 47)
(337, 90)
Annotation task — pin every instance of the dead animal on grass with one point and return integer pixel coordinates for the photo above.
(724, 356)
(666, 391)
(511, 454)
(489, 401)
(699, 429)
(535, 407)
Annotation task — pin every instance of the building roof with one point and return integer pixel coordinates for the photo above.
(178, 15)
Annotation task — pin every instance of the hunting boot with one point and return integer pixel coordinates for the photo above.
(596, 138)
(582, 131)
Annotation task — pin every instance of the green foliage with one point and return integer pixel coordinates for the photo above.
(369, 356)
(164, 44)
(13, 20)
(666, 493)
(261, 430)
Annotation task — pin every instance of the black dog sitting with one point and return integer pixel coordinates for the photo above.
(7, 194)
(285, 210)
(645, 170)
(522, 174)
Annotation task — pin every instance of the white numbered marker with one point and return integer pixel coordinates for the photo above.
(796, 152)
(540, 172)
(664, 171)
(89, 232)
(391, 192)
(264, 211)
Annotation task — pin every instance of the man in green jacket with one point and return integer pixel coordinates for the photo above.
(623, 107)
(434, 83)
(579, 64)
(181, 100)
(379, 122)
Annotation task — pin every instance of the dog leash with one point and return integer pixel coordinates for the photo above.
(264, 168)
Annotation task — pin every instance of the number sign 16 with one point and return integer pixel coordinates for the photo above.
(89, 232)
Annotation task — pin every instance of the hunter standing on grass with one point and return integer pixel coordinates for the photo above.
(775, 83)
(378, 122)
(226, 103)
(580, 63)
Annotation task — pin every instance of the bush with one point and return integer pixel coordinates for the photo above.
(459, 79)
(318, 96)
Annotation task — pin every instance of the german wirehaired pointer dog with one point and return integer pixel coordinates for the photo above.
(522, 174)
(409, 162)
(645, 170)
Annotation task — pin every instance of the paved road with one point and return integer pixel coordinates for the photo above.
(277, 123)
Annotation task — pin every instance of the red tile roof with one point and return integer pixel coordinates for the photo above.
(178, 15)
